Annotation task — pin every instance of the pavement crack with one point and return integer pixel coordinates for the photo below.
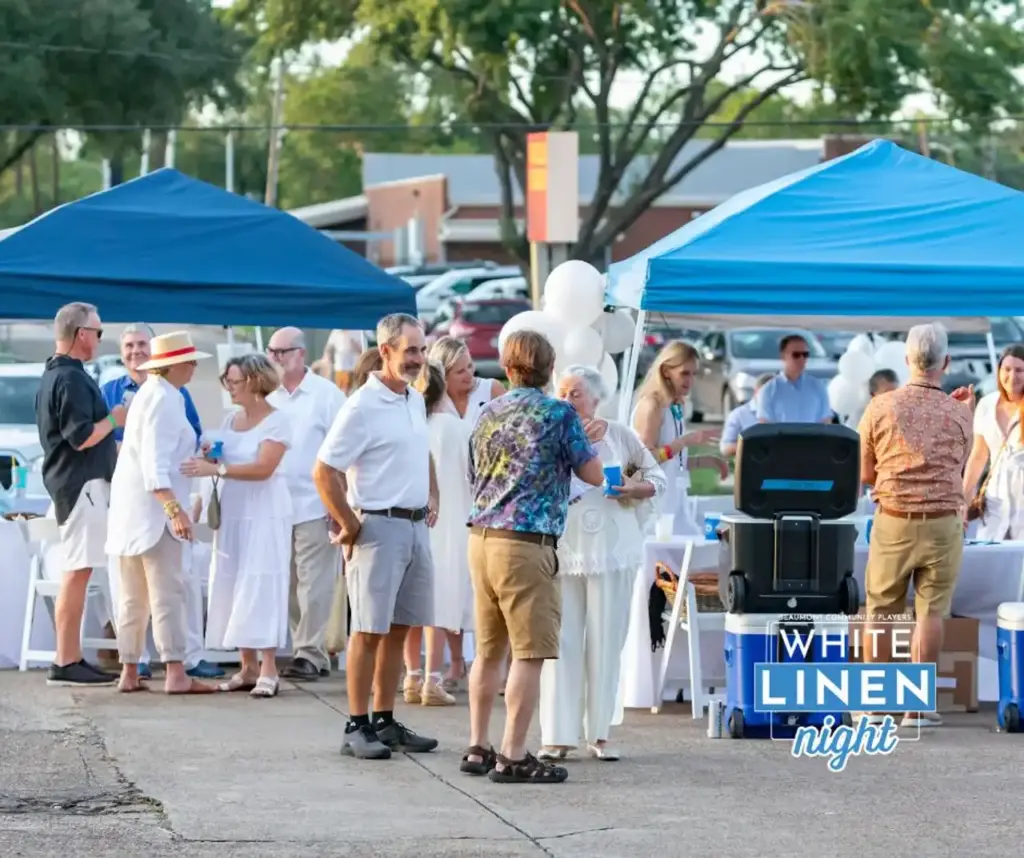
(577, 833)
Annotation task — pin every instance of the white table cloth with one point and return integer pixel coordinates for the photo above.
(990, 575)
(14, 573)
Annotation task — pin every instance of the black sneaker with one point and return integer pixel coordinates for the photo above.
(78, 674)
(363, 744)
(398, 737)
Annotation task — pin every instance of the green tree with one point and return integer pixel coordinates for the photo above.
(109, 62)
(535, 63)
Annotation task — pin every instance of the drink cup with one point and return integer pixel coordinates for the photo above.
(664, 527)
(612, 477)
(867, 531)
(216, 450)
(711, 522)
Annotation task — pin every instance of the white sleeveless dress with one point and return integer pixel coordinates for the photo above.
(675, 500)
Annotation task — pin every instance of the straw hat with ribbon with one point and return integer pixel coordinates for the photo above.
(169, 349)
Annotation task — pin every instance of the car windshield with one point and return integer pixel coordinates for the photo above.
(492, 314)
(18, 399)
(1004, 331)
(764, 344)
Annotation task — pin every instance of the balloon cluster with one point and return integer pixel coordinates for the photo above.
(575, 322)
(848, 392)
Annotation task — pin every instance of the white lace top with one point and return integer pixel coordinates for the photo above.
(601, 534)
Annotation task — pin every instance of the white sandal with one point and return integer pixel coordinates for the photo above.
(266, 687)
(549, 755)
(605, 753)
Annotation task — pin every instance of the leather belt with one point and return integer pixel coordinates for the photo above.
(918, 516)
(543, 539)
(398, 512)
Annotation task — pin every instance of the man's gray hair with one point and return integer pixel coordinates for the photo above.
(70, 318)
(137, 328)
(927, 347)
(591, 378)
(389, 329)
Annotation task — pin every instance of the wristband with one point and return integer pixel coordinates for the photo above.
(113, 422)
(666, 453)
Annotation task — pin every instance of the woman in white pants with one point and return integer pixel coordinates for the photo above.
(598, 559)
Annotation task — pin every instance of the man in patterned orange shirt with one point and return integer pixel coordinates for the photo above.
(914, 444)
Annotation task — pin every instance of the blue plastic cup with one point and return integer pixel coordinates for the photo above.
(867, 530)
(711, 522)
(216, 450)
(612, 477)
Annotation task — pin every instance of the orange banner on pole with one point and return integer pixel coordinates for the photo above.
(537, 186)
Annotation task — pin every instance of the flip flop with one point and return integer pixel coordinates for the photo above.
(236, 683)
(126, 690)
(195, 687)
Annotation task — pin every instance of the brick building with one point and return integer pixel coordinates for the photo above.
(456, 199)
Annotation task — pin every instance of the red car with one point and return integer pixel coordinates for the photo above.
(478, 324)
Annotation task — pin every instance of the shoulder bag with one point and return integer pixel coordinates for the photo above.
(213, 507)
(976, 508)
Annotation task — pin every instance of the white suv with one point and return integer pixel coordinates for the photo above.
(21, 454)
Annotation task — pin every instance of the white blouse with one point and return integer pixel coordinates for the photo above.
(601, 534)
(479, 396)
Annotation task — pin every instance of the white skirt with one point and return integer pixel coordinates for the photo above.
(249, 578)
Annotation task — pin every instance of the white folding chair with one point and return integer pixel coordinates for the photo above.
(41, 534)
(704, 554)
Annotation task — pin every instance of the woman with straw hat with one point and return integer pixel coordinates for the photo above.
(148, 522)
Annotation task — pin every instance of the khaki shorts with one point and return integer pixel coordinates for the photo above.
(926, 551)
(516, 595)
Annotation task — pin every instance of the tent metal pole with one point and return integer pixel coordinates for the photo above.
(259, 338)
(628, 381)
(992, 350)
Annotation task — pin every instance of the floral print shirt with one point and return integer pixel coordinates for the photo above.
(521, 457)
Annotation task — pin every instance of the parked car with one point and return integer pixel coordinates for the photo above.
(478, 324)
(457, 284)
(732, 360)
(656, 335)
(835, 343)
(21, 454)
(516, 288)
(419, 276)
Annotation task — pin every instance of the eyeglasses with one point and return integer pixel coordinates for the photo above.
(97, 331)
(281, 352)
(800, 355)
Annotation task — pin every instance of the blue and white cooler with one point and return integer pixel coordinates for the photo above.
(752, 639)
(1010, 648)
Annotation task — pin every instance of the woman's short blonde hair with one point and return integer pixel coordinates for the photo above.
(431, 384)
(260, 375)
(673, 355)
(448, 351)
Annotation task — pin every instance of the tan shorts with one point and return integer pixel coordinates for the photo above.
(926, 551)
(516, 595)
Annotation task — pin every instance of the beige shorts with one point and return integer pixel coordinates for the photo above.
(83, 537)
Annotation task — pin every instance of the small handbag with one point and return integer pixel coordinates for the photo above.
(213, 507)
(976, 508)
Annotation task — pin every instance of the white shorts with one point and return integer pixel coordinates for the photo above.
(83, 537)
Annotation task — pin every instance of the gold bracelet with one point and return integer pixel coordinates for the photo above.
(172, 508)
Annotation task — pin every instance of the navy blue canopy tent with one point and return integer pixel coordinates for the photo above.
(169, 248)
(880, 239)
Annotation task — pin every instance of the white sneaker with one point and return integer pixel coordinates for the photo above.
(873, 718)
(921, 720)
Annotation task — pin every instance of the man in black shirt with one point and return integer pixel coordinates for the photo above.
(79, 453)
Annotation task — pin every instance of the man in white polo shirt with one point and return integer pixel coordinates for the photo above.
(311, 404)
(376, 478)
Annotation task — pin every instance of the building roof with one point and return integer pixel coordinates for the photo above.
(739, 165)
(320, 215)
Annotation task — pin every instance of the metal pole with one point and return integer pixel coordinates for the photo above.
(229, 162)
(628, 380)
(172, 143)
(274, 152)
(147, 142)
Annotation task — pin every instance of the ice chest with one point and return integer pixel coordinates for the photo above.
(1010, 650)
(752, 639)
(790, 564)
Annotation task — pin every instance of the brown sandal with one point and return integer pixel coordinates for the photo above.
(528, 770)
(483, 766)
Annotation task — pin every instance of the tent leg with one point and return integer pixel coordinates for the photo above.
(230, 335)
(628, 381)
(259, 338)
(992, 350)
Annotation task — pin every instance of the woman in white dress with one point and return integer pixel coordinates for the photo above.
(598, 558)
(997, 444)
(248, 606)
(464, 396)
(658, 420)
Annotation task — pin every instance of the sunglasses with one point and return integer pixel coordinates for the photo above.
(282, 352)
(97, 331)
(800, 355)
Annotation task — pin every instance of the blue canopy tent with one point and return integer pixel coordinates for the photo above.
(879, 239)
(169, 248)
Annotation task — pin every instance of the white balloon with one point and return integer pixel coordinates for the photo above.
(610, 373)
(844, 396)
(893, 355)
(574, 294)
(856, 366)
(609, 409)
(862, 343)
(583, 345)
(534, 320)
(618, 331)
(600, 324)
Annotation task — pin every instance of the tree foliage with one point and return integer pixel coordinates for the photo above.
(109, 62)
(544, 64)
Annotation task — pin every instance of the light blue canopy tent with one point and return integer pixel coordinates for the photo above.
(169, 248)
(880, 239)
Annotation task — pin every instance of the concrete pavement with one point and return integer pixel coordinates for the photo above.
(96, 773)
